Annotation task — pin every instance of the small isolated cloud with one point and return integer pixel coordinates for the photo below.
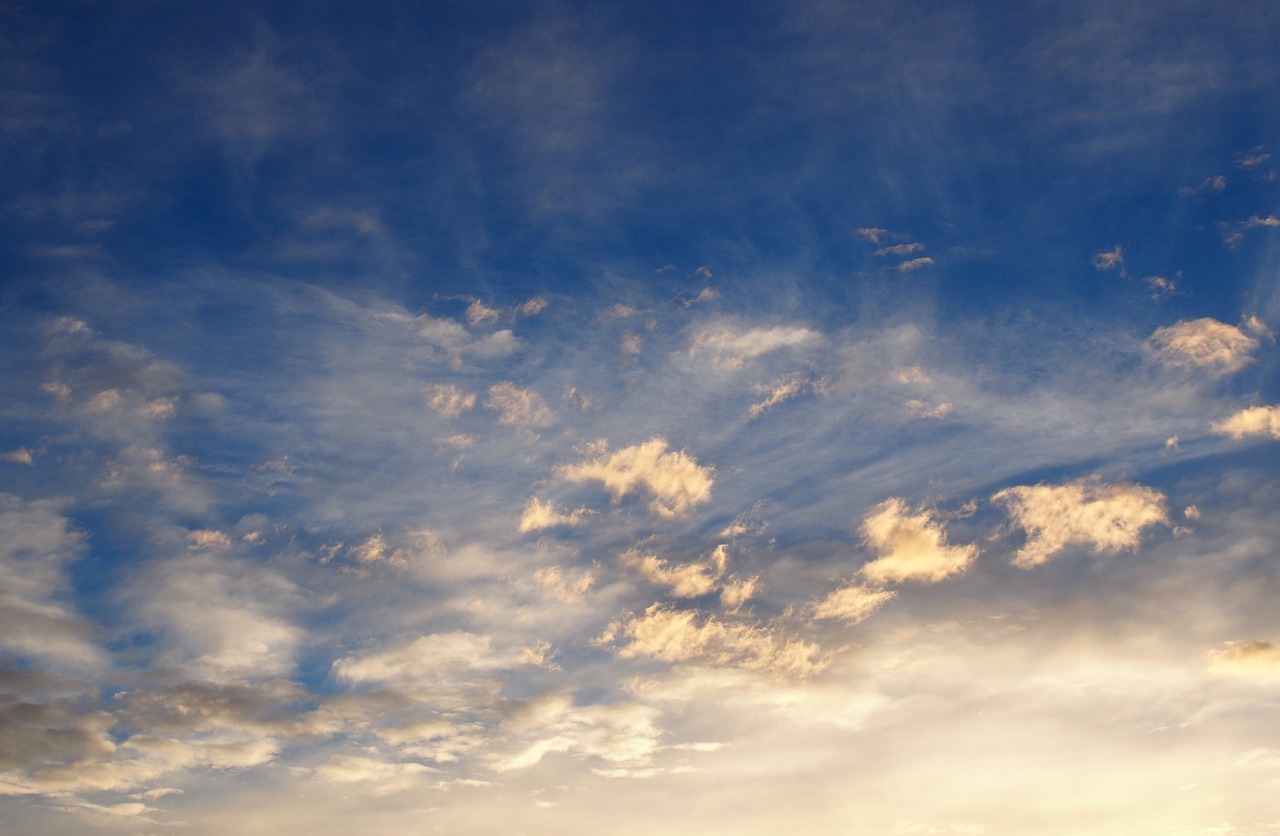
(632, 344)
(478, 312)
(872, 233)
(1109, 259)
(1254, 222)
(208, 539)
(532, 307)
(1245, 657)
(1204, 343)
(914, 264)
(684, 580)
(517, 407)
(671, 635)
(1160, 286)
(1255, 325)
(854, 603)
(911, 546)
(1252, 158)
(20, 456)
(923, 409)
(675, 479)
(1216, 183)
(448, 401)
(783, 389)
(566, 588)
(901, 249)
(1254, 421)
(731, 349)
(539, 515)
(1105, 518)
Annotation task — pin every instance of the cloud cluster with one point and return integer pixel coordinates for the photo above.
(1103, 517)
(675, 479)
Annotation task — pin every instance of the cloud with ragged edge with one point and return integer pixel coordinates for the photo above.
(1245, 657)
(731, 349)
(539, 515)
(517, 407)
(1260, 421)
(853, 603)
(674, 479)
(1106, 518)
(785, 388)
(911, 546)
(1205, 344)
(448, 401)
(684, 580)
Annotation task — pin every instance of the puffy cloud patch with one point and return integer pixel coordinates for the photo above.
(448, 401)
(912, 546)
(901, 249)
(924, 409)
(675, 479)
(685, 580)
(671, 635)
(730, 349)
(854, 603)
(1254, 421)
(1204, 343)
(539, 515)
(1106, 518)
(517, 407)
(567, 589)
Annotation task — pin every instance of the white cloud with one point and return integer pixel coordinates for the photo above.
(675, 479)
(1109, 259)
(901, 249)
(1204, 343)
(853, 603)
(20, 456)
(872, 233)
(915, 264)
(1255, 222)
(425, 661)
(783, 389)
(566, 589)
(924, 409)
(517, 407)
(673, 635)
(911, 546)
(1255, 420)
(1106, 518)
(623, 734)
(730, 349)
(539, 515)
(449, 401)
(532, 307)
(478, 312)
(685, 580)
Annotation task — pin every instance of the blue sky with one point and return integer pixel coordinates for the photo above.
(564, 418)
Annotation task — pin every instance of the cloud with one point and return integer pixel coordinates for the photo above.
(539, 515)
(20, 456)
(449, 401)
(567, 590)
(685, 580)
(901, 249)
(1245, 657)
(914, 264)
(911, 546)
(671, 635)
(730, 349)
(1109, 259)
(618, 733)
(675, 479)
(854, 603)
(1104, 517)
(872, 233)
(423, 662)
(923, 409)
(532, 307)
(784, 389)
(478, 312)
(1254, 222)
(1254, 421)
(517, 407)
(389, 777)
(737, 591)
(1204, 343)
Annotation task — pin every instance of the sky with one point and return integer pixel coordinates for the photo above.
(577, 418)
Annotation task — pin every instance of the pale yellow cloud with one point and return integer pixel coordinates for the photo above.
(673, 635)
(924, 409)
(675, 479)
(1105, 518)
(853, 603)
(1204, 343)
(1109, 259)
(685, 580)
(912, 546)
(209, 539)
(1254, 421)
(730, 349)
(1245, 657)
(448, 401)
(564, 588)
(422, 661)
(517, 407)
(478, 312)
(783, 389)
(915, 264)
(20, 456)
(539, 515)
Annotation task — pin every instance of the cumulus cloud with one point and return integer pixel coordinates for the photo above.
(675, 479)
(1254, 421)
(783, 389)
(854, 603)
(517, 407)
(448, 401)
(1103, 517)
(912, 546)
(564, 587)
(539, 515)
(671, 635)
(685, 580)
(730, 349)
(915, 264)
(1204, 343)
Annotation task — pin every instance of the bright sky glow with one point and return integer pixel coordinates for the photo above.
(640, 418)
